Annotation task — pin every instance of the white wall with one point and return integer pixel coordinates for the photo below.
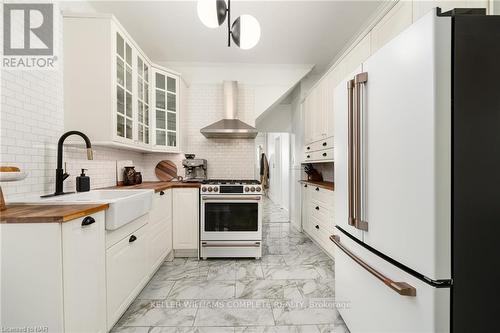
(279, 180)
(269, 82)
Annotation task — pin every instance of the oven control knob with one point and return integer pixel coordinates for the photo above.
(258, 188)
(203, 189)
(216, 189)
(210, 189)
(252, 189)
(247, 189)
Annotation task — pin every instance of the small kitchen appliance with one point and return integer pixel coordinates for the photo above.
(231, 218)
(195, 169)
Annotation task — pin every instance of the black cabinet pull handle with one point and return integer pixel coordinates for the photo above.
(132, 239)
(88, 221)
(317, 208)
(324, 144)
(317, 188)
(317, 226)
(162, 193)
(324, 154)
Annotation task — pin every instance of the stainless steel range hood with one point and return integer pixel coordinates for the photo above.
(230, 127)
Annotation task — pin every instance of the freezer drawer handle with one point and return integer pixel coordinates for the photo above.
(401, 288)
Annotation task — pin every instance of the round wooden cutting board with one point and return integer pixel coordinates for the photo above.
(166, 170)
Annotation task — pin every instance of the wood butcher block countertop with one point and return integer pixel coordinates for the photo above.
(33, 213)
(156, 186)
(326, 185)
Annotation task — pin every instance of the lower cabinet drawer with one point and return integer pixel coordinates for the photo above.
(322, 196)
(321, 232)
(321, 212)
(320, 155)
(126, 270)
(369, 305)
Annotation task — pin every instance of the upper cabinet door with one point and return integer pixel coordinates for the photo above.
(143, 100)
(166, 110)
(124, 90)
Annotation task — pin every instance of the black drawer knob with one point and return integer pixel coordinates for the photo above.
(305, 185)
(317, 208)
(308, 148)
(317, 227)
(317, 188)
(308, 156)
(162, 193)
(324, 144)
(324, 154)
(88, 221)
(132, 239)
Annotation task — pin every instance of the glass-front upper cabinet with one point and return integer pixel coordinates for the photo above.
(143, 97)
(124, 89)
(166, 95)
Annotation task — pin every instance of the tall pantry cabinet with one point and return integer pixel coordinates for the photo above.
(113, 92)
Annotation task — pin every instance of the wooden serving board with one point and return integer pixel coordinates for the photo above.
(166, 170)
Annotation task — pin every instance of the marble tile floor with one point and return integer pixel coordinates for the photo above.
(289, 290)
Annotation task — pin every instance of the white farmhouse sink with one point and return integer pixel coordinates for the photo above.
(124, 205)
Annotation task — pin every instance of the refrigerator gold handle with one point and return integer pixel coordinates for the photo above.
(401, 288)
(350, 152)
(359, 81)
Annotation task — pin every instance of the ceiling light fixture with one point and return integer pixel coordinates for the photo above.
(245, 30)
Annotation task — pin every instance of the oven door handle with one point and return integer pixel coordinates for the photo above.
(242, 197)
(239, 244)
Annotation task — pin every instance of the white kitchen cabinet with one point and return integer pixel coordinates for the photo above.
(83, 275)
(127, 272)
(185, 205)
(56, 278)
(160, 228)
(110, 90)
(317, 215)
(395, 21)
(166, 97)
(305, 207)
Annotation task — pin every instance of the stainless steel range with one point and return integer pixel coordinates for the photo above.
(231, 218)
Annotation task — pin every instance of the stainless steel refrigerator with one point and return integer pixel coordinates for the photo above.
(417, 179)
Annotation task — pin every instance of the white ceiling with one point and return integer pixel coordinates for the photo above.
(293, 32)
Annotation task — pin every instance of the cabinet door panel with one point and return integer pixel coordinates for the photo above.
(84, 275)
(166, 108)
(185, 207)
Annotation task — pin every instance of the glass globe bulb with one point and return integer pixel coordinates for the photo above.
(212, 13)
(246, 31)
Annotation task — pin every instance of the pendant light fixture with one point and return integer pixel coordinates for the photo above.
(245, 30)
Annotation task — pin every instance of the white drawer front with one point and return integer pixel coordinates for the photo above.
(126, 267)
(321, 195)
(322, 212)
(369, 305)
(319, 145)
(320, 155)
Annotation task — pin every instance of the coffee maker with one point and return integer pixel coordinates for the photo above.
(195, 169)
